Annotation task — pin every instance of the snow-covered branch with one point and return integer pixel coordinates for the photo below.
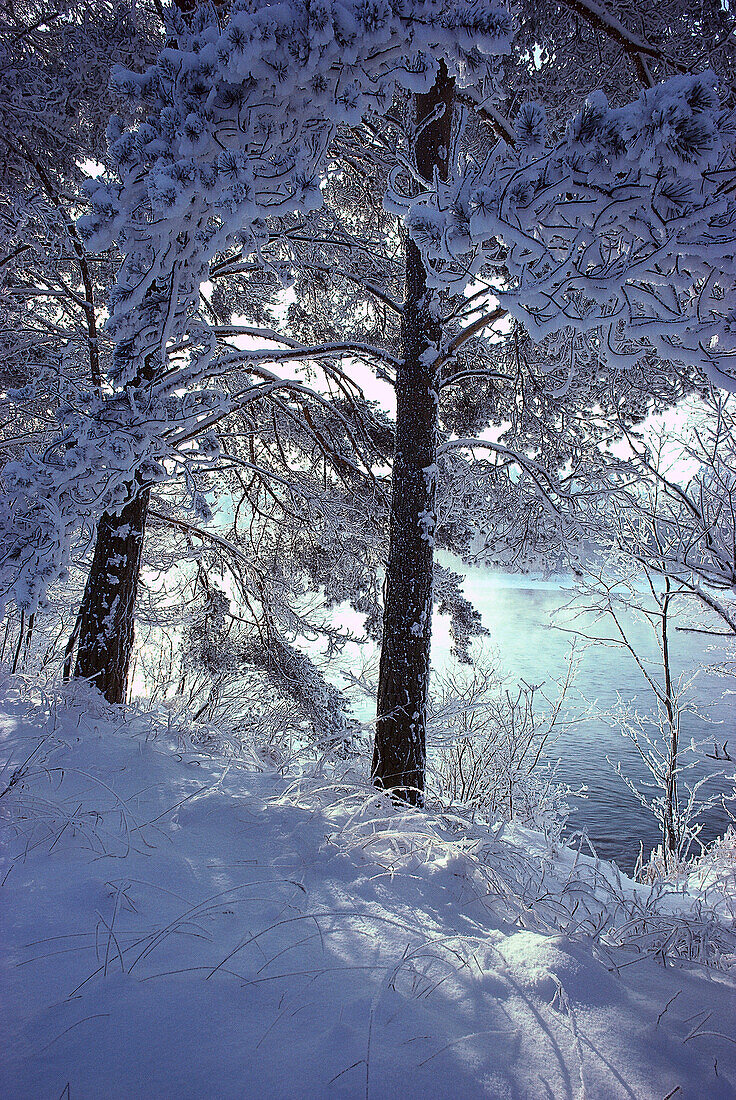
(623, 230)
(238, 126)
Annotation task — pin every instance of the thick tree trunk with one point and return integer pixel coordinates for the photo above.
(105, 625)
(108, 604)
(400, 747)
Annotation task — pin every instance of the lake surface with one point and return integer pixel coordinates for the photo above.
(522, 617)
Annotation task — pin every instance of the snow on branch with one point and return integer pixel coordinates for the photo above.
(625, 229)
(237, 126)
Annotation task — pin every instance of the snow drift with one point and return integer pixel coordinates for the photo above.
(177, 924)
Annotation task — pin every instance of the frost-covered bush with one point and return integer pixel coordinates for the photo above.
(624, 591)
(676, 792)
(710, 872)
(487, 743)
(315, 703)
(259, 694)
(719, 860)
(528, 877)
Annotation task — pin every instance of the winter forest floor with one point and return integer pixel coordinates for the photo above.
(176, 924)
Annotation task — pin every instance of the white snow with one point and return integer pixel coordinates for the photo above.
(427, 521)
(175, 924)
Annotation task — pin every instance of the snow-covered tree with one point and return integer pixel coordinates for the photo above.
(606, 236)
(54, 108)
(678, 520)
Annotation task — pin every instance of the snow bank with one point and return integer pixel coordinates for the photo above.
(178, 925)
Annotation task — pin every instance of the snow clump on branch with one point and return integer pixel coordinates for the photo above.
(238, 122)
(624, 227)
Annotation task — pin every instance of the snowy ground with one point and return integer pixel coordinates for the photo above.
(176, 926)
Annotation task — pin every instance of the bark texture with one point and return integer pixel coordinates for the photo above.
(399, 753)
(106, 622)
(108, 604)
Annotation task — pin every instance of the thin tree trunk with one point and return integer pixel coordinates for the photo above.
(400, 747)
(671, 837)
(66, 668)
(106, 628)
(27, 641)
(16, 656)
(5, 637)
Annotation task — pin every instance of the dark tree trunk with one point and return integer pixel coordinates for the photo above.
(108, 604)
(105, 625)
(400, 746)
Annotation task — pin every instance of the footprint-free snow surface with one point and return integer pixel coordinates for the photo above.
(174, 925)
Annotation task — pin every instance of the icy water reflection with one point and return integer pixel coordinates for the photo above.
(521, 616)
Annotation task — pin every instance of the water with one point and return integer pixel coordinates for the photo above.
(521, 616)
